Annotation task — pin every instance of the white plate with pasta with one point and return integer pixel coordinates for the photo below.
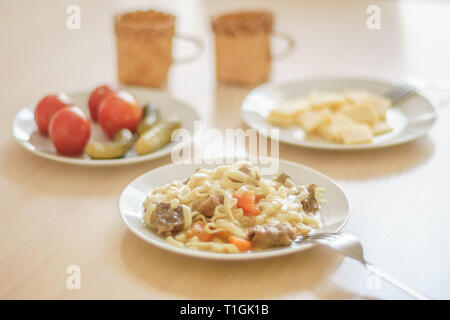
(338, 113)
(232, 212)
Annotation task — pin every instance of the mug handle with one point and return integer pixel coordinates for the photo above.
(196, 42)
(289, 48)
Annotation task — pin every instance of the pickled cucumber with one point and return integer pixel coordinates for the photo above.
(122, 142)
(151, 117)
(156, 137)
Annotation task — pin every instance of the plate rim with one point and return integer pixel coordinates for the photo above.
(335, 146)
(105, 162)
(224, 256)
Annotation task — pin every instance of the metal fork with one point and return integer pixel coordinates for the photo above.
(402, 91)
(348, 245)
(399, 92)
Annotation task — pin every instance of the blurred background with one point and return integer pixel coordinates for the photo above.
(331, 36)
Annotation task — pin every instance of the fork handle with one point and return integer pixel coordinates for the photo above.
(395, 282)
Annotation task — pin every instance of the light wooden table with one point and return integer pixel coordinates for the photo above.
(54, 215)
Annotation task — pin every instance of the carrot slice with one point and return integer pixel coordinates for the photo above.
(223, 235)
(198, 229)
(252, 213)
(241, 243)
(205, 236)
(247, 203)
(259, 197)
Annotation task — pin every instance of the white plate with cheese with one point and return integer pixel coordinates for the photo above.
(314, 113)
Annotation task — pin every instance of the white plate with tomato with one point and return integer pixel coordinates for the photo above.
(61, 126)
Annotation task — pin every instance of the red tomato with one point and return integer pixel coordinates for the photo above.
(96, 98)
(47, 107)
(70, 131)
(119, 110)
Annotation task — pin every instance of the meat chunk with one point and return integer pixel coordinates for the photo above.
(166, 220)
(282, 177)
(208, 206)
(310, 204)
(245, 169)
(248, 171)
(272, 235)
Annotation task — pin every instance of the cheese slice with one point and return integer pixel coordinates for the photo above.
(311, 120)
(377, 102)
(330, 131)
(356, 96)
(380, 127)
(361, 113)
(355, 133)
(326, 99)
(286, 113)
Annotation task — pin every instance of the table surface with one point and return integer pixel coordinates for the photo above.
(54, 215)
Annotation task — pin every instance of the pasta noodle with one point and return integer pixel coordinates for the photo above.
(277, 202)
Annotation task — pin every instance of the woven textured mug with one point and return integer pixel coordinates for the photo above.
(144, 47)
(243, 50)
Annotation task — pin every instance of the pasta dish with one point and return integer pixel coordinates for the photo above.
(233, 209)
